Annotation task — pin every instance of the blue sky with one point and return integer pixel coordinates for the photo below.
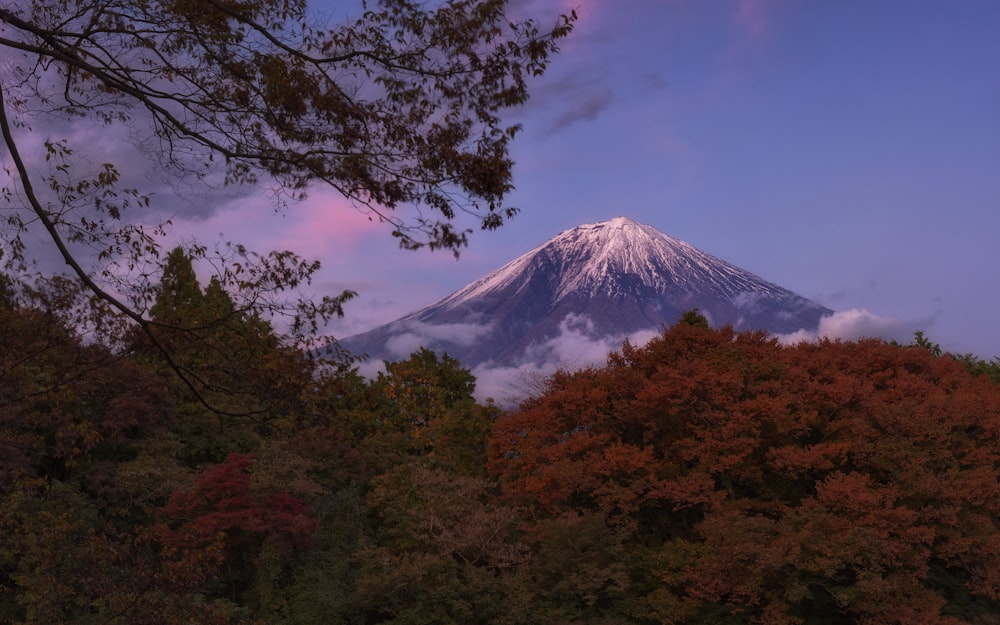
(849, 151)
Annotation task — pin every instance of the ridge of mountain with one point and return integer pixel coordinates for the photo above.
(611, 278)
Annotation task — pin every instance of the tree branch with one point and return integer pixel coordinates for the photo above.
(81, 273)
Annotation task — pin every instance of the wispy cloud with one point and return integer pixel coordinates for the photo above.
(577, 346)
(586, 109)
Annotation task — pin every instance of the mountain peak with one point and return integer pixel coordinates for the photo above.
(616, 277)
(618, 222)
(617, 256)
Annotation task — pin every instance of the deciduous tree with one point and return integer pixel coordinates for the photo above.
(398, 106)
(66, 403)
(442, 551)
(422, 405)
(829, 482)
(225, 529)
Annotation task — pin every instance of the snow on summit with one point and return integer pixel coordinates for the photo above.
(601, 281)
(592, 258)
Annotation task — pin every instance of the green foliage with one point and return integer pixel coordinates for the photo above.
(6, 291)
(166, 455)
(48, 555)
(179, 299)
(921, 341)
(442, 550)
(975, 365)
(578, 571)
(694, 318)
(423, 381)
(68, 410)
(419, 406)
(708, 477)
(241, 380)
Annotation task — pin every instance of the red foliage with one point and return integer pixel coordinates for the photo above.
(857, 478)
(224, 518)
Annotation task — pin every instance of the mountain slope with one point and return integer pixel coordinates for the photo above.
(613, 278)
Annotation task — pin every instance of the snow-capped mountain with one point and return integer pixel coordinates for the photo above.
(615, 278)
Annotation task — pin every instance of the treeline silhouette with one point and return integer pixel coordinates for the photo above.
(707, 477)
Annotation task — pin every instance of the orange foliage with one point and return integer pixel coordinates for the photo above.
(859, 480)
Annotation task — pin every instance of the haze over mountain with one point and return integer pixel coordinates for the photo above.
(611, 280)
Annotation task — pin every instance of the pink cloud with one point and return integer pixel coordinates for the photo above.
(589, 18)
(753, 16)
(326, 223)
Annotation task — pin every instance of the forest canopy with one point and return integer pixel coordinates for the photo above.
(707, 477)
(168, 455)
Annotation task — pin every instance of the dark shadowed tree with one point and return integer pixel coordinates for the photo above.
(65, 402)
(221, 349)
(397, 107)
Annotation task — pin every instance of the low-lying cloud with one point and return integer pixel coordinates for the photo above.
(577, 345)
(419, 334)
(858, 323)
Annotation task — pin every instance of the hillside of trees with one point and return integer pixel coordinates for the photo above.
(707, 477)
(169, 456)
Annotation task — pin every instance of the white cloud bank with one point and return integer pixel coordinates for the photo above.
(857, 323)
(419, 334)
(578, 345)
